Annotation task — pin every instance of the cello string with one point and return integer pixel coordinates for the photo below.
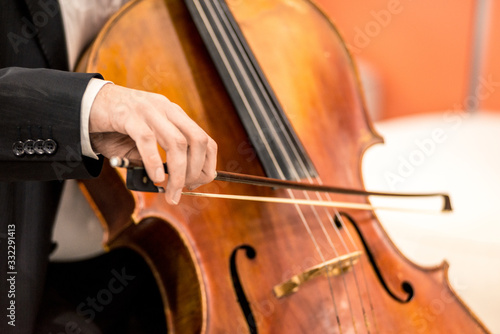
(344, 227)
(343, 224)
(304, 169)
(254, 94)
(240, 91)
(354, 269)
(278, 140)
(291, 194)
(346, 248)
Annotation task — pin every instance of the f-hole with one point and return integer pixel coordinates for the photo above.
(405, 286)
(238, 289)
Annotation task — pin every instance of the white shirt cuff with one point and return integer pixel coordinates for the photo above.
(89, 96)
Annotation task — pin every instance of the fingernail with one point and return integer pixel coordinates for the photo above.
(177, 197)
(160, 175)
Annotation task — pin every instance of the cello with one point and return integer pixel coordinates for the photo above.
(272, 83)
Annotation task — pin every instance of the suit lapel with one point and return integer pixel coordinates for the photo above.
(47, 20)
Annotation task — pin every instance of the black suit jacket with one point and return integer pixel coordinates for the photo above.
(39, 99)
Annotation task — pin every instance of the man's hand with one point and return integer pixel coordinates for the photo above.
(129, 123)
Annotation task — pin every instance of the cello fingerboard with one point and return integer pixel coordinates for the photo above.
(280, 151)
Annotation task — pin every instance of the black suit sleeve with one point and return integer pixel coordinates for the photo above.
(43, 104)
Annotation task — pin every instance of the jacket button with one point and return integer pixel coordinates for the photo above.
(50, 146)
(18, 148)
(38, 146)
(29, 147)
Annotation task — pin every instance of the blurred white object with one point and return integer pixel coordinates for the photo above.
(77, 230)
(459, 154)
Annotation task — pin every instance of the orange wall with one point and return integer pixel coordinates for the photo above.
(420, 50)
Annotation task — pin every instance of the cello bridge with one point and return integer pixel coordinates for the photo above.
(330, 268)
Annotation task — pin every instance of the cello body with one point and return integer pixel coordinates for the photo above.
(217, 262)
